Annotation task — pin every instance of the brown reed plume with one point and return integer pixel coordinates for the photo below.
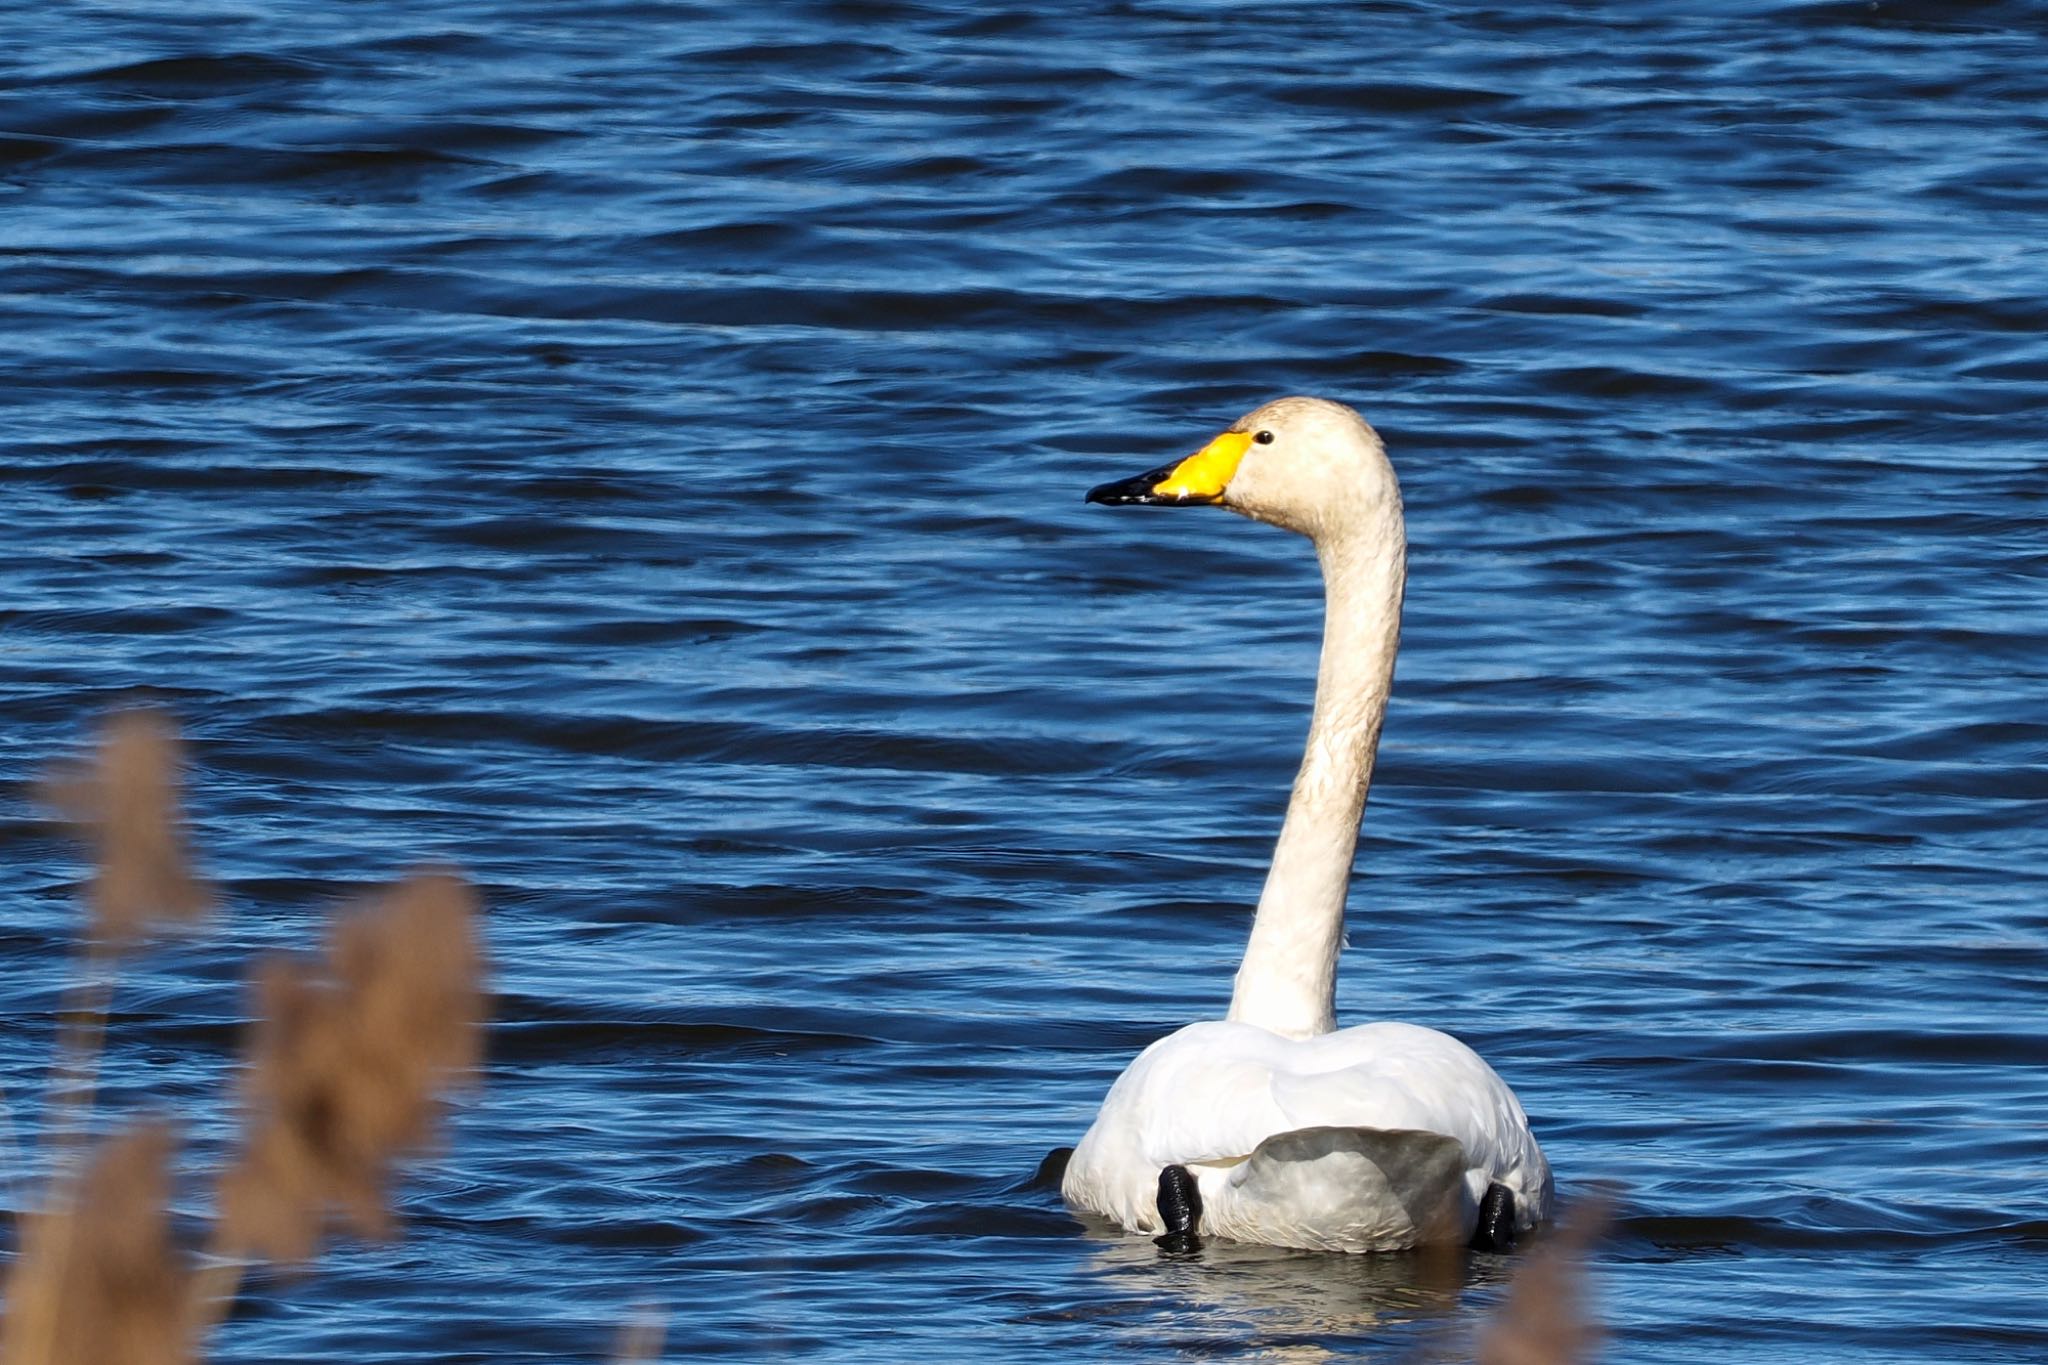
(125, 804)
(98, 1278)
(346, 1063)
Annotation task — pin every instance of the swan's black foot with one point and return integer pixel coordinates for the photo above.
(1180, 1209)
(1496, 1230)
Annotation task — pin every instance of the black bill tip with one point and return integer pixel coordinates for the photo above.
(1137, 491)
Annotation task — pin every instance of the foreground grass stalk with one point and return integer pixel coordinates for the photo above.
(81, 1035)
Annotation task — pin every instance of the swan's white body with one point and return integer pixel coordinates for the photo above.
(1371, 1138)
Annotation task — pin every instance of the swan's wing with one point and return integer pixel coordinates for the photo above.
(1417, 1078)
(1399, 1076)
(1347, 1189)
(1215, 1091)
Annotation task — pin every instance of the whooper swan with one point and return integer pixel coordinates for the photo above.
(1272, 1125)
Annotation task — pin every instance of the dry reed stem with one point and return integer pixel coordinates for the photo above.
(81, 1033)
(345, 1068)
(124, 802)
(1545, 1319)
(98, 1281)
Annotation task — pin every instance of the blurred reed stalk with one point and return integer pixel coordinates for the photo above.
(97, 1277)
(341, 1077)
(124, 804)
(1545, 1318)
(641, 1337)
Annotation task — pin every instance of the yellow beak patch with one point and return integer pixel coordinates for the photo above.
(1204, 474)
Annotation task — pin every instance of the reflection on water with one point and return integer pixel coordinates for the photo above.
(1272, 1292)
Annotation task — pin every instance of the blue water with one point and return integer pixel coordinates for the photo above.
(635, 451)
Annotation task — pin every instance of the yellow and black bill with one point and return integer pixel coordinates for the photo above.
(1197, 481)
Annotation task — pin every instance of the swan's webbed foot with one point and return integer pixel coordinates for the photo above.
(1496, 1230)
(1180, 1209)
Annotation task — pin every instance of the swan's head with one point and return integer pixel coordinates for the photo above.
(1306, 464)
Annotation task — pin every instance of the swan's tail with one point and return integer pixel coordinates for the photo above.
(1348, 1189)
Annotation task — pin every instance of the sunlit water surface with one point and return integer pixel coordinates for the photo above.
(635, 451)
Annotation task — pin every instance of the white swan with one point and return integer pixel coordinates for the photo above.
(1271, 1126)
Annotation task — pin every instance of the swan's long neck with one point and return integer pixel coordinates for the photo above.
(1288, 981)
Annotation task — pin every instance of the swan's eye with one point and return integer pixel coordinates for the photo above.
(1264, 438)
